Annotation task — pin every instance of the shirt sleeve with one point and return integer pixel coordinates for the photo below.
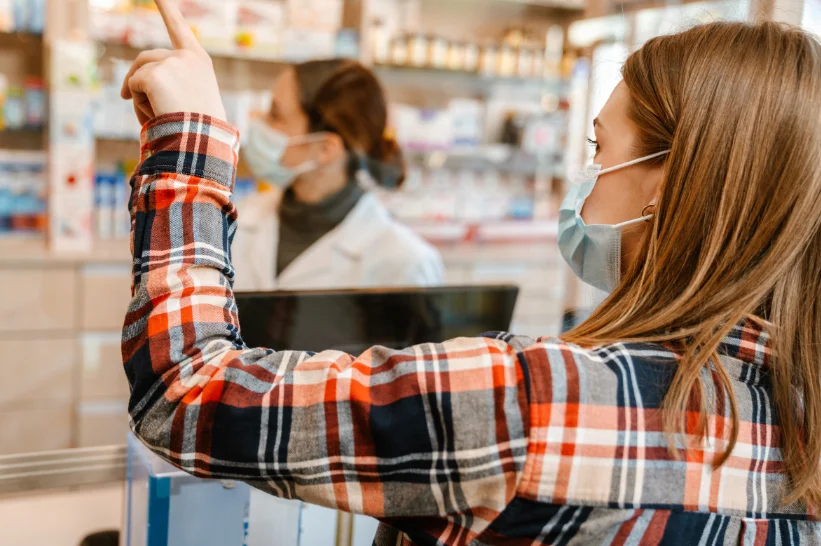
(433, 430)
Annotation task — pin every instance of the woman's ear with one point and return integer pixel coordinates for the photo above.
(331, 149)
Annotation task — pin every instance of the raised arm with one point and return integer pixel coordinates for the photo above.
(434, 430)
(440, 427)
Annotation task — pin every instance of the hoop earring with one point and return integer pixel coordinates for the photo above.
(644, 212)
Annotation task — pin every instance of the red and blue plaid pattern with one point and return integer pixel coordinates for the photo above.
(488, 441)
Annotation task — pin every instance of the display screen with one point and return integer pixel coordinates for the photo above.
(355, 320)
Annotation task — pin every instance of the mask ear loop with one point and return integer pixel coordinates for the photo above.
(633, 162)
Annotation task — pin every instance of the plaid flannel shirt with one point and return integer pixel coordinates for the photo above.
(488, 441)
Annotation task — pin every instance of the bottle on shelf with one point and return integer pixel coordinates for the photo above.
(511, 134)
(35, 91)
(538, 63)
(456, 56)
(472, 54)
(22, 193)
(554, 51)
(104, 201)
(4, 94)
(438, 52)
(507, 61)
(399, 51)
(489, 64)
(418, 50)
(524, 62)
(14, 110)
(381, 43)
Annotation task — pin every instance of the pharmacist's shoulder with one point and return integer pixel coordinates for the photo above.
(387, 234)
(401, 236)
(257, 208)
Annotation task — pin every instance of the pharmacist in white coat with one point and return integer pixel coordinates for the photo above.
(367, 249)
(322, 146)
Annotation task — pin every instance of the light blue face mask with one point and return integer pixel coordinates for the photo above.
(264, 150)
(593, 252)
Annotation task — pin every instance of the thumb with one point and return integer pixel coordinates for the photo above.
(140, 86)
(143, 109)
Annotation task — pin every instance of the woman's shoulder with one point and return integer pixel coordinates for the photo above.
(560, 371)
(256, 208)
(622, 350)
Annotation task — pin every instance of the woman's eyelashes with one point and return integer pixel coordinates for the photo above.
(593, 144)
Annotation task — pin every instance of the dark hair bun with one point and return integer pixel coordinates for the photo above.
(389, 163)
(344, 97)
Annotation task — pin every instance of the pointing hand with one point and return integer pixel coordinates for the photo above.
(181, 79)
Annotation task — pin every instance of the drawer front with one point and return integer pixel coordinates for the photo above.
(102, 423)
(102, 376)
(37, 371)
(37, 300)
(35, 430)
(106, 291)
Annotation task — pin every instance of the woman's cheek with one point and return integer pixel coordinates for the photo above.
(609, 201)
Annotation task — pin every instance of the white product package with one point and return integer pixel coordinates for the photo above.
(260, 26)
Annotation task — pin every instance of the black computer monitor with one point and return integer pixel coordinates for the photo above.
(355, 320)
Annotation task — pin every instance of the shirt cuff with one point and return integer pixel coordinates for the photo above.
(192, 145)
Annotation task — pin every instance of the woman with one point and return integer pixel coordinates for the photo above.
(323, 144)
(686, 410)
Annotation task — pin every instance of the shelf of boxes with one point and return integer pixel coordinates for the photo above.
(578, 5)
(266, 30)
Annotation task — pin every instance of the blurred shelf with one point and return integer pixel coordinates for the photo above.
(500, 158)
(489, 231)
(465, 75)
(233, 53)
(118, 139)
(574, 5)
(30, 130)
(497, 157)
(434, 86)
(26, 138)
(17, 38)
(518, 230)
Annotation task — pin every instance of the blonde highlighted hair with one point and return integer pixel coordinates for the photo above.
(737, 227)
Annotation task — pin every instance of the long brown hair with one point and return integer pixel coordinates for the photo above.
(737, 228)
(344, 97)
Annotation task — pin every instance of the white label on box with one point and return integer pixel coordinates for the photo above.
(260, 25)
(317, 15)
(213, 21)
(302, 45)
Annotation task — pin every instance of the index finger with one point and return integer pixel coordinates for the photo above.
(182, 37)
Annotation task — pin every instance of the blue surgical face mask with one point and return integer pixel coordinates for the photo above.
(593, 251)
(264, 150)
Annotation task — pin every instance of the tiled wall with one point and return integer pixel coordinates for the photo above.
(59, 354)
(60, 322)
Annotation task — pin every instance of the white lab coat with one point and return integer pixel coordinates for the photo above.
(368, 249)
